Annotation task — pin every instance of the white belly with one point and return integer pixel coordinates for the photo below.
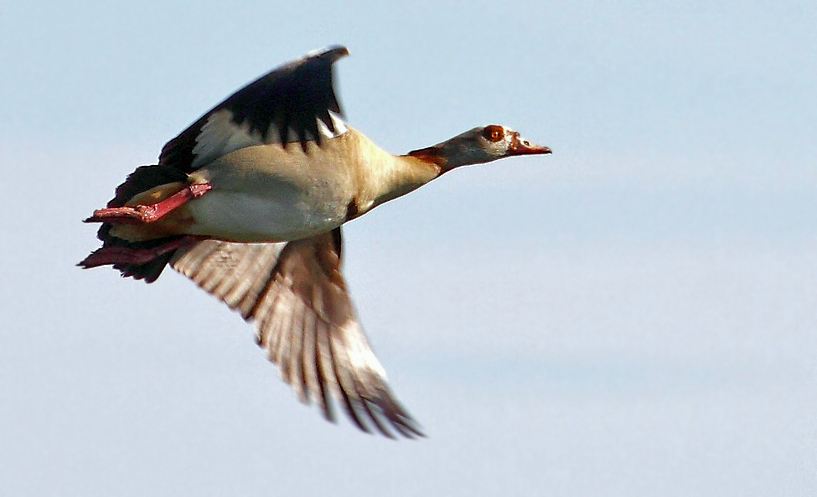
(268, 194)
(244, 217)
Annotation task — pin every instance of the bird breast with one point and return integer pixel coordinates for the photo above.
(266, 193)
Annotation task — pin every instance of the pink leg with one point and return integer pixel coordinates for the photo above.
(149, 213)
(126, 255)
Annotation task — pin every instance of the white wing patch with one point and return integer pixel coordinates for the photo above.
(337, 122)
(220, 135)
(360, 355)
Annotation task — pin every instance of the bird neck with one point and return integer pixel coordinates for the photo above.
(383, 177)
(431, 155)
(402, 175)
(451, 154)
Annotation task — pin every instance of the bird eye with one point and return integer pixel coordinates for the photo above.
(493, 133)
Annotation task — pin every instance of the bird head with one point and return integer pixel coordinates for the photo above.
(477, 146)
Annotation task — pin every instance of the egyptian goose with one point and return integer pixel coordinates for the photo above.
(248, 203)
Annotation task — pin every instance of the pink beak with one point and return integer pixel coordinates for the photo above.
(520, 146)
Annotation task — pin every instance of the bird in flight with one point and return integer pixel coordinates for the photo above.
(248, 202)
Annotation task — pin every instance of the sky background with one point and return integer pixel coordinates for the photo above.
(635, 315)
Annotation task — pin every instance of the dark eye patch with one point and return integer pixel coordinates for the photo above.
(493, 133)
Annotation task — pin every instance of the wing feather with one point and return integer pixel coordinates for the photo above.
(295, 102)
(305, 321)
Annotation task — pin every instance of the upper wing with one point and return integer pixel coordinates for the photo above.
(304, 320)
(295, 102)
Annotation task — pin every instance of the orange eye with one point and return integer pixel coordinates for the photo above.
(493, 133)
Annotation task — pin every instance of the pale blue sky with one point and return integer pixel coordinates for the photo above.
(633, 315)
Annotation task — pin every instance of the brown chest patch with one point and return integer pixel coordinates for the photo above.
(352, 209)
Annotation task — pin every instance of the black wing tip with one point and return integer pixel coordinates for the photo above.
(326, 55)
(332, 53)
(402, 422)
(386, 415)
(373, 420)
(382, 415)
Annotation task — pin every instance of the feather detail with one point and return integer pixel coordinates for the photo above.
(305, 321)
(295, 102)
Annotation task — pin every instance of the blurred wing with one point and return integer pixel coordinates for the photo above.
(295, 102)
(304, 319)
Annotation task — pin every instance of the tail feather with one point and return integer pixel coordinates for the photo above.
(142, 179)
(139, 260)
(149, 271)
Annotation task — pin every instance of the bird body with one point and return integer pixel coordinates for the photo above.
(239, 206)
(248, 203)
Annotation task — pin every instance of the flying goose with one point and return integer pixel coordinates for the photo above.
(248, 203)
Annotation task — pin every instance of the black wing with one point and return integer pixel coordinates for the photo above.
(294, 102)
